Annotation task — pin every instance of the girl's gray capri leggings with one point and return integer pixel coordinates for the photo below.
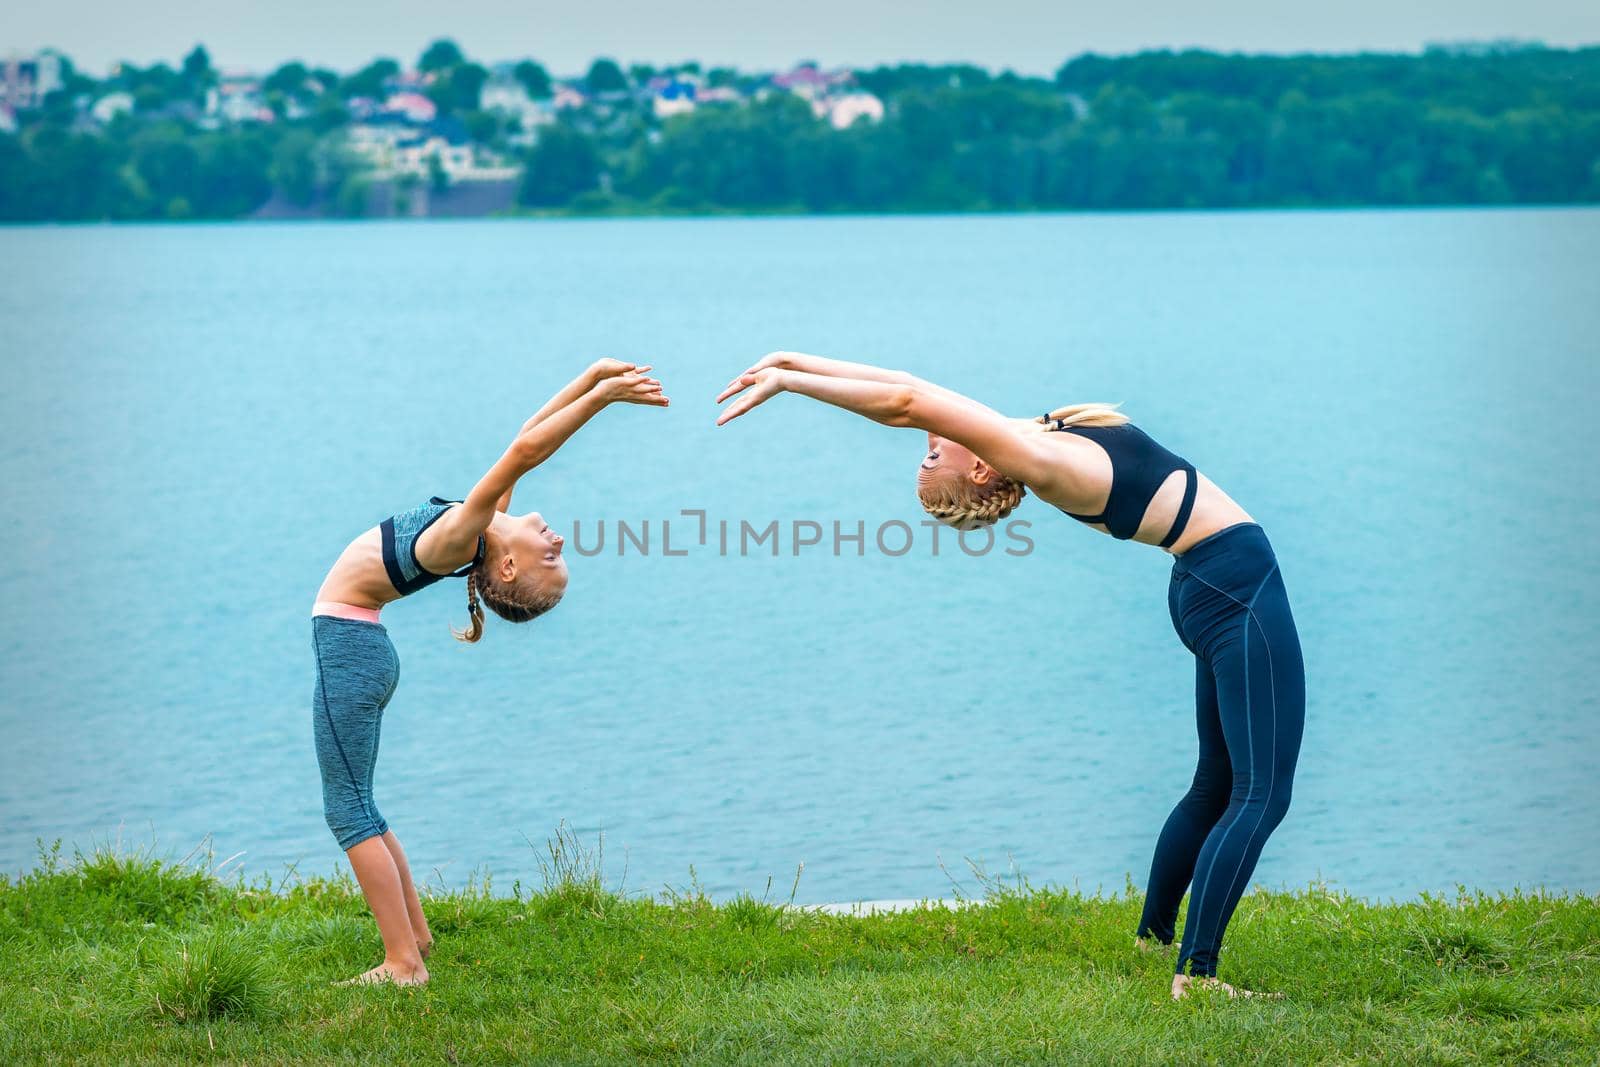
(357, 670)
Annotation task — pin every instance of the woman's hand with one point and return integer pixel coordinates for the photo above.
(762, 383)
(780, 360)
(601, 369)
(631, 387)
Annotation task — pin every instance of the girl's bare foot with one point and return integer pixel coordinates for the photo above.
(425, 948)
(389, 972)
(1149, 944)
(1181, 984)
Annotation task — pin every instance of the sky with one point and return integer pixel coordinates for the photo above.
(1029, 36)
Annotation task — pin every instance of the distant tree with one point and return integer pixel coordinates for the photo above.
(561, 164)
(534, 78)
(149, 98)
(54, 174)
(482, 126)
(370, 80)
(605, 77)
(168, 166)
(458, 88)
(289, 79)
(294, 166)
(329, 114)
(351, 200)
(438, 177)
(231, 178)
(152, 87)
(440, 55)
(197, 68)
(735, 158)
(641, 72)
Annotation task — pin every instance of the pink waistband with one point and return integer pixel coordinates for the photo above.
(345, 611)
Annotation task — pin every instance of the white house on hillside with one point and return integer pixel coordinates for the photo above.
(108, 107)
(509, 98)
(843, 111)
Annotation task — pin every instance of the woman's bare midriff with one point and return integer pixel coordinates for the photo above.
(1213, 509)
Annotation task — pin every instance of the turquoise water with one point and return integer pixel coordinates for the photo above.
(196, 419)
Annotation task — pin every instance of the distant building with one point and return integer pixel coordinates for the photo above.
(392, 148)
(236, 98)
(108, 107)
(413, 106)
(413, 156)
(507, 97)
(810, 83)
(843, 111)
(722, 94)
(361, 108)
(24, 83)
(409, 81)
(374, 139)
(567, 97)
(671, 97)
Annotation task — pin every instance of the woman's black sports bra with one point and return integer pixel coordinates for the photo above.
(1139, 466)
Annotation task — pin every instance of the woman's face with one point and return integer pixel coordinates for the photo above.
(945, 462)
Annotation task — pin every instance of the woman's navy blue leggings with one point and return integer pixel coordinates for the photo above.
(1229, 606)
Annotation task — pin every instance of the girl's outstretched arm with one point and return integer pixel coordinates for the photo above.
(1023, 457)
(598, 371)
(460, 526)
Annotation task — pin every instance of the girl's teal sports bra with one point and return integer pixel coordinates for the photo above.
(400, 533)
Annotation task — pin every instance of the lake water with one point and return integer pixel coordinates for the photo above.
(196, 419)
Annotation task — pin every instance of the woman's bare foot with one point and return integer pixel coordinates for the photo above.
(425, 948)
(390, 972)
(1181, 984)
(1150, 944)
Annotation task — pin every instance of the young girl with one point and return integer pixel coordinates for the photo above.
(512, 564)
(1226, 597)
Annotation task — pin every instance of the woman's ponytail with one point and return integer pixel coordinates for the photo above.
(1084, 415)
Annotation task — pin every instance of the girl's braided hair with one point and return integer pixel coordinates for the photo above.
(966, 505)
(509, 601)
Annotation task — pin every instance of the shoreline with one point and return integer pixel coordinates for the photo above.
(910, 213)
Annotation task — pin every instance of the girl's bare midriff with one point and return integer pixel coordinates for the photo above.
(358, 577)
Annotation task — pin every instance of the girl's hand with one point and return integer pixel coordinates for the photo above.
(632, 387)
(762, 384)
(602, 369)
(771, 359)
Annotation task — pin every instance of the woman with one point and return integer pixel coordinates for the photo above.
(1226, 596)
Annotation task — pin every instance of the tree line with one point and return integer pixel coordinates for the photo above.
(1156, 130)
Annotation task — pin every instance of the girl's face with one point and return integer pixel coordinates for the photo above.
(537, 551)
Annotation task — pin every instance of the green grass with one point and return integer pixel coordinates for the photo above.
(126, 958)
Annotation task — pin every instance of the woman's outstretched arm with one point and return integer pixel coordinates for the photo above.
(834, 368)
(934, 409)
(540, 438)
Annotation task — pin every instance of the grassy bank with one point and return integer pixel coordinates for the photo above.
(127, 958)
